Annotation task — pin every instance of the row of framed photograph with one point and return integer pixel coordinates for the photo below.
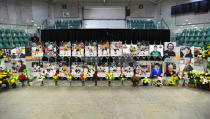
(142, 69)
(105, 49)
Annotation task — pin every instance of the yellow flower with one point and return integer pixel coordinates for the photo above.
(0, 82)
(12, 81)
(69, 77)
(122, 79)
(55, 77)
(85, 76)
(201, 80)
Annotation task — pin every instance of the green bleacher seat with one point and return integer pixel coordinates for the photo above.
(8, 35)
(5, 40)
(1, 45)
(10, 40)
(16, 40)
(6, 45)
(208, 33)
(3, 34)
(19, 35)
(195, 44)
(1, 40)
(191, 39)
(197, 39)
(17, 44)
(7, 31)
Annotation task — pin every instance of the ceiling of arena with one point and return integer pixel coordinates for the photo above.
(112, 1)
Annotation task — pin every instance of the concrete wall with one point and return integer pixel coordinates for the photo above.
(180, 22)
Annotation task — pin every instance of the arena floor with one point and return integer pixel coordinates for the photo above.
(103, 102)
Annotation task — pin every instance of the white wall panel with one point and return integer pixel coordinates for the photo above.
(104, 24)
(104, 12)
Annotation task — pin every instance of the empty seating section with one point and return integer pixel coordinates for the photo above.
(140, 24)
(10, 38)
(67, 24)
(194, 37)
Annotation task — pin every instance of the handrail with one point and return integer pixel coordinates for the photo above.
(163, 21)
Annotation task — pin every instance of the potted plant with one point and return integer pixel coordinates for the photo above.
(83, 78)
(95, 78)
(145, 81)
(135, 80)
(191, 77)
(41, 78)
(22, 78)
(109, 78)
(55, 79)
(69, 78)
(175, 79)
(122, 77)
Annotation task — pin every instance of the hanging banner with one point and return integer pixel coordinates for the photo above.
(103, 49)
(116, 48)
(65, 49)
(91, 50)
(78, 50)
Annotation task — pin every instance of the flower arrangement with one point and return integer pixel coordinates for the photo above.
(69, 78)
(41, 78)
(83, 78)
(22, 78)
(95, 77)
(145, 81)
(171, 82)
(8, 79)
(55, 78)
(175, 79)
(122, 77)
(109, 78)
(135, 80)
(1, 54)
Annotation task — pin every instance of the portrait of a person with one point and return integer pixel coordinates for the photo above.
(155, 52)
(156, 70)
(169, 70)
(169, 51)
(188, 52)
(19, 54)
(187, 66)
(20, 66)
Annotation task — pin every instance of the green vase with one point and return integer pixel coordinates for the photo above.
(83, 83)
(56, 83)
(23, 84)
(122, 82)
(95, 83)
(109, 83)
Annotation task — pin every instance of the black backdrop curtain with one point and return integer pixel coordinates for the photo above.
(103, 35)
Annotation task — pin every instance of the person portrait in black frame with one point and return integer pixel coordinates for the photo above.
(169, 51)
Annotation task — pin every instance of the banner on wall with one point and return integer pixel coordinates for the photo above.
(50, 49)
(103, 49)
(128, 71)
(37, 68)
(76, 69)
(50, 69)
(115, 69)
(65, 49)
(89, 70)
(64, 69)
(78, 50)
(37, 51)
(143, 70)
(156, 50)
(102, 71)
(142, 50)
(91, 50)
(116, 48)
(129, 50)
(18, 52)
